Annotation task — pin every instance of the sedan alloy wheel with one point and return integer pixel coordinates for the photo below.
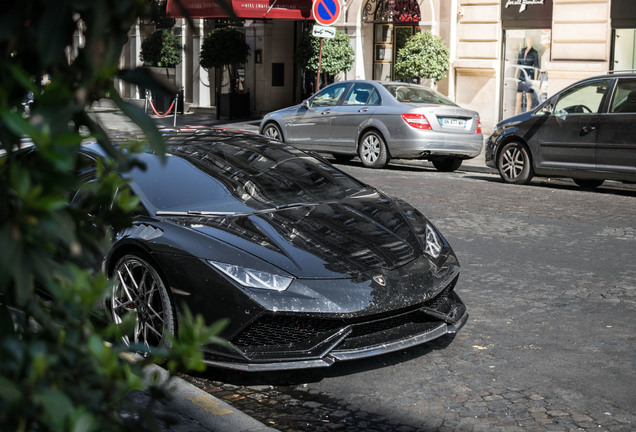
(372, 150)
(514, 164)
(273, 131)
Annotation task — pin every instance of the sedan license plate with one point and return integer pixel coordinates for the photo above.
(453, 122)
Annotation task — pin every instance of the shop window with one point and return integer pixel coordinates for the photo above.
(624, 49)
(525, 82)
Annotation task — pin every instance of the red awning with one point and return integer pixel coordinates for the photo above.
(245, 9)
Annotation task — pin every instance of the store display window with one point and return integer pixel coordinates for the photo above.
(525, 82)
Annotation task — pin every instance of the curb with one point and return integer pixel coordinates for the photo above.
(200, 407)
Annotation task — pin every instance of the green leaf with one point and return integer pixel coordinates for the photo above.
(11, 393)
(57, 406)
(155, 139)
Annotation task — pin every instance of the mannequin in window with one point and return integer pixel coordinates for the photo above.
(528, 59)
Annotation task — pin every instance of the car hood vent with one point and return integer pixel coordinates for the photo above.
(331, 239)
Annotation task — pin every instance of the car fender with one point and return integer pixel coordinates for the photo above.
(373, 123)
(503, 134)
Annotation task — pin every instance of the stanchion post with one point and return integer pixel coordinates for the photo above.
(176, 106)
(146, 103)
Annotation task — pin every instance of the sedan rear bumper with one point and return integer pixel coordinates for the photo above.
(464, 146)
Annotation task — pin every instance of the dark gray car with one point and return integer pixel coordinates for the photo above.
(378, 121)
(587, 131)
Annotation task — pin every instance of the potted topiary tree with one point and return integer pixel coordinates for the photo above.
(162, 51)
(424, 56)
(337, 55)
(225, 49)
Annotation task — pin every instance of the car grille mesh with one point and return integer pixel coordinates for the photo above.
(301, 333)
(283, 331)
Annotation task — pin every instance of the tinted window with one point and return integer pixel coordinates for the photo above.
(221, 177)
(624, 100)
(329, 96)
(583, 99)
(359, 94)
(410, 93)
(375, 98)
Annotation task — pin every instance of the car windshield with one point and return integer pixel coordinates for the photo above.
(411, 93)
(220, 177)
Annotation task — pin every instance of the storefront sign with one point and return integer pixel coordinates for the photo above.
(523, 4)
(526, 13)
(623, 14)
(246, 9)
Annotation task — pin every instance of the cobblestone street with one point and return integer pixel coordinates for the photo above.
(550, 283)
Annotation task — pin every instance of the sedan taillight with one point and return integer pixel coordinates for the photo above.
(418, 121)
(478, 130)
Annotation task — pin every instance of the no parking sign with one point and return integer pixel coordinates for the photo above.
(326, 12)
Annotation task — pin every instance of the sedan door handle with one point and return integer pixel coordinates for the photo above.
(325, 112)
(588, 128)
(363, 110)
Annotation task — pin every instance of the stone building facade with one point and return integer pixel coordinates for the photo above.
(506, 55)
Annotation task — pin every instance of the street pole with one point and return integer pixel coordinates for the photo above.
(319, 62)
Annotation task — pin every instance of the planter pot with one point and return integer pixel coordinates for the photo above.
(160, 100)
(234, 105)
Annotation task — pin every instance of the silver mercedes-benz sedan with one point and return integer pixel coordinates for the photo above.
(378, 121)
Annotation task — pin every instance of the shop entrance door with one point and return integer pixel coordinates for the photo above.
(388, 40)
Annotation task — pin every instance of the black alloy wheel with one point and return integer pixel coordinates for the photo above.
(447, 164)
(139, 288)
(514, 164)
(372, 150)
(273, 131)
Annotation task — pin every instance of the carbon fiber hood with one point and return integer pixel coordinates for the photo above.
(328, 240)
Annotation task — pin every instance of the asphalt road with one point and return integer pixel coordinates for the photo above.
(549, 278)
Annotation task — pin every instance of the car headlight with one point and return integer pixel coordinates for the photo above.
(433, 245)
(253, 278)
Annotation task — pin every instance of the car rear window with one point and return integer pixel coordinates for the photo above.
(410, 93)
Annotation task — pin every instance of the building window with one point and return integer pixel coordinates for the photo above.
(624, 49)
(525, 82)
(383, 52)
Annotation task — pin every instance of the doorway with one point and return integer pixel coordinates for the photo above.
(388, 40)
(624, 49)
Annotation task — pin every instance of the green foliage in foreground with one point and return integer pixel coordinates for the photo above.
(423, 56)
(57, 370)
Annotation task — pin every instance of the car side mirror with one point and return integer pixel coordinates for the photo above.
(305, 103)
(547, 109)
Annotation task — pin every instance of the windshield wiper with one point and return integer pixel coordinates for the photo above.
(298, 204)
(194, 213)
